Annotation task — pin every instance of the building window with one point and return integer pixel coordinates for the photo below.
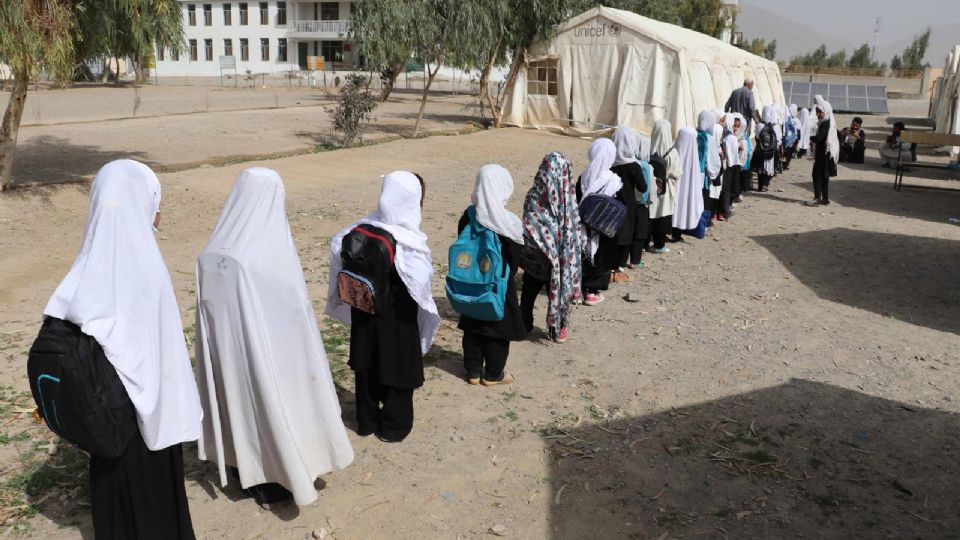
(264, 17)
(542, 78)
(227, 15)
(192, 14)
(228, 47)
(243, 14)
(244, 49)
(332, 51)
(281, 13)
(159, 54)
(208, 15)
(329, 11)
(208, 50)
(175, 54)
(265, 49)
(282, 49)
(193, 50)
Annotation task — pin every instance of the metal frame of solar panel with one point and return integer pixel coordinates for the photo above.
(853, 98)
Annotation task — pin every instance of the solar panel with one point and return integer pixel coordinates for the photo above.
(854, 98)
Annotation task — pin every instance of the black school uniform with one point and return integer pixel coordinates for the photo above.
(387, 361)
(633, 236)
(486, 345)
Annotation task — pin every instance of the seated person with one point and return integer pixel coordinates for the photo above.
(852, 142)
(890, 150)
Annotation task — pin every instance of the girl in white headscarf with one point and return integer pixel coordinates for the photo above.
(825, 155)
(119, 292)
(708, 146)
(745, 150)
(272, 410)
(804, 143)
(665, 204)
(600, 254)
(634, 228)
(792, 127)
(768, 169)
(690, 188)
(386, 350)
(731, 164)
(486, 345)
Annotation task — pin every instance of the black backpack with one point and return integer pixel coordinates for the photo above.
(766, 143)
(78, 392)
(534, 261)
(364, 282)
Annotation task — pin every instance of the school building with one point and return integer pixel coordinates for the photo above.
(270, 36)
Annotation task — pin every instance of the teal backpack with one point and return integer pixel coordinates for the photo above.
(477, 281)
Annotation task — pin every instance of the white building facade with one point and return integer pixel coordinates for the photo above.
(272, 36)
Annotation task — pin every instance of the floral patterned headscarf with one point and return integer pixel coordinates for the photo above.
(552, 220)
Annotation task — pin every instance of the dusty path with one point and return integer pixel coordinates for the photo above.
(794, 374)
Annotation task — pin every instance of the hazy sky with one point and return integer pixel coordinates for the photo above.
(855, 18)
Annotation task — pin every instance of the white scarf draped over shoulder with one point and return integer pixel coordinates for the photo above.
(491, 191)
(625, 139)
(690, 189)
(833, 141)
(398, 213)
(119, 292)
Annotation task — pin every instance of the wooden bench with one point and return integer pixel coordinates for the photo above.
(922, 137)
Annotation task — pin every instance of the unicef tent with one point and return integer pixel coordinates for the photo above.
(946, 99)
(609, 67)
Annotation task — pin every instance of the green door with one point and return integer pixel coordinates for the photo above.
(302, 54)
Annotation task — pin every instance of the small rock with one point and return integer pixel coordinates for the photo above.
(320, 534)
(498, 529)
(632, 297)
(449, 496)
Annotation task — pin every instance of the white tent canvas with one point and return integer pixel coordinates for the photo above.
(609, 67)
(946, 100)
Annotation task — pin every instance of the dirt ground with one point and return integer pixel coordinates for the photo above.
(795, 374)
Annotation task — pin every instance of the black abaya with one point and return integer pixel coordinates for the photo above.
(140, 494)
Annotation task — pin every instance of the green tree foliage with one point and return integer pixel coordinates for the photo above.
(837, 59)
(770, 51)
(816, 58)
(913, 55)
(355, 105)
(34, 35)
(896, 63)
(861, 58)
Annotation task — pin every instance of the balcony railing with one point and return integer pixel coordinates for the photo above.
(321, 27)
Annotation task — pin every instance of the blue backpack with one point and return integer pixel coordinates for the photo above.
(478, 277)
(791, 136)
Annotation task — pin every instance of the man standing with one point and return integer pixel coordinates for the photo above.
(742, 101)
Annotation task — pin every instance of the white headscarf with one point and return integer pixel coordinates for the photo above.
(662, 145)
(625, 139)
(690, 188)
(769, 116)
(491, 191)
(730, 141)
(793, 110)
(398, 212)
(707, 121)
(833, 142)
(644, 142)
(598, 178)
(272, 408)
(804, 129)
(118, 292)
(817, 99)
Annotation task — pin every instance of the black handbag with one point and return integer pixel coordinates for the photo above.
(78, 392)
(533, 261)
(832, 166)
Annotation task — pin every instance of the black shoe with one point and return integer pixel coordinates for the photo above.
(389, 438)
(265, 494)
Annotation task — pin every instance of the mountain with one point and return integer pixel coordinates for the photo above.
(793, 38)
(942, 40)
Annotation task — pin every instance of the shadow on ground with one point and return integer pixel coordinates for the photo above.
(803, 459)
(910, 278)
(54, 160)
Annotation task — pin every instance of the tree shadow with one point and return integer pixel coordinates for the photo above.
(47, 159)
(875, 196)
(908, 278)
(803, 459)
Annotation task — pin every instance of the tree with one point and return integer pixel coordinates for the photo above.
(913, 55)
(770, 51)
(381, 29)
(817, 58)
(861, 58)
(837, 59)
(34, 35)
(704, 16)
(354, 105)
(896, 63)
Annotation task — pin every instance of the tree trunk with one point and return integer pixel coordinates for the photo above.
(518, 60)
(118, 70)
(105, 73)
(11, 127)
(423, 99)
(392, 81)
